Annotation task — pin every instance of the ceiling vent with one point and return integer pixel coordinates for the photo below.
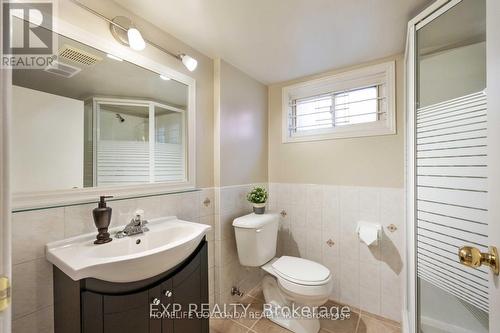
(61, 69)
(79, 56)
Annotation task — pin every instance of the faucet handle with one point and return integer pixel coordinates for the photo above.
(138, 214)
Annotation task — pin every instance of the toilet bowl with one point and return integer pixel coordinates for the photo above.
(293, 287)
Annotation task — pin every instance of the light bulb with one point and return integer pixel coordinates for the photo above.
(189, 63)
(135, 39)
(163, 77)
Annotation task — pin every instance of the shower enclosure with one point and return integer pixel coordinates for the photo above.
(447, 164)
(133, 141)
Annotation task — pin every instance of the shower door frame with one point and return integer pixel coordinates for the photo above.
(439, 7)
(151, 105)
(410, 307)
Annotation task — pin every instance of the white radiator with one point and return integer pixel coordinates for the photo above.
(452, 195)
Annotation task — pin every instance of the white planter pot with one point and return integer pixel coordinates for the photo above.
(259, 208)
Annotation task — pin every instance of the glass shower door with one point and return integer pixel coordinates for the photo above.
(451, 168)
(123, 149)
(170, 147)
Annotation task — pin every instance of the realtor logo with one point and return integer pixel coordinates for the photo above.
(28, 38)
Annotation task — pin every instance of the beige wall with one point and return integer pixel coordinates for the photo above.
(203, 74)
(240, 162)
(241, 127)
(367, 161)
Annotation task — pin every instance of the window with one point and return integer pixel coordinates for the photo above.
(356, 103)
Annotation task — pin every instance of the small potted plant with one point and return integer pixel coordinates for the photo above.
(258, 197)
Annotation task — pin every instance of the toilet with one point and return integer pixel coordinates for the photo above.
(290, 282)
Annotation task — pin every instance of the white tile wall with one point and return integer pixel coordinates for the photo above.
(368, 278)
(231, 203)
(365, 277)
(32, 290)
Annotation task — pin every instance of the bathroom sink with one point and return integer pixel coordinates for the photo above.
(167, 243)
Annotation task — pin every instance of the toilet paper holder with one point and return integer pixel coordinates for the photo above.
(369, 233)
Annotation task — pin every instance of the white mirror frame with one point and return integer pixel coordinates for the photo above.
(39, 199)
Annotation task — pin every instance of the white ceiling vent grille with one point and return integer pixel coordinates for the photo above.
(78, 56)
(62, 69)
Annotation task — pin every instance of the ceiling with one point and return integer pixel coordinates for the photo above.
(278, 40)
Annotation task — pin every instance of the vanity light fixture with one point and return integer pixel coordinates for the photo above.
(135, 39)
(110, 56)
(165, 78)
(189, 62)
(125, 32)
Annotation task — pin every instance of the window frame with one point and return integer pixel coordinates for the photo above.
(374, 75)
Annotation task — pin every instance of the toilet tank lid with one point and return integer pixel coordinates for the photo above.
(255, 221)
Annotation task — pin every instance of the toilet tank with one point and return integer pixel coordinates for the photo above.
(256, 236)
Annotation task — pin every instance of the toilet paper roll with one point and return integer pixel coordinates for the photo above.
(369, 233)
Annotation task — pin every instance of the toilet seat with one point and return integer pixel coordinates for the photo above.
(301, 271)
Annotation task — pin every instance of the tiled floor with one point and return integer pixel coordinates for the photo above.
(359, 322)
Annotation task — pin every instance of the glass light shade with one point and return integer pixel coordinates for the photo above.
(189, 62)
(135, 39)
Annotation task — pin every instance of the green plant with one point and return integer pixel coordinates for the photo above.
(257, 195)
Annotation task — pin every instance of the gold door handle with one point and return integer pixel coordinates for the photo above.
(4, 293)
(472, 257)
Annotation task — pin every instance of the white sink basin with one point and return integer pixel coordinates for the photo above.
(167, 243)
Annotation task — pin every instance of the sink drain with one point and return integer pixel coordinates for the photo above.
(138, 241)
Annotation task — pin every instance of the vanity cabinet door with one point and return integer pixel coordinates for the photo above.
(187, 292)
(190, 287)
(120, 313)
(126, 313)
(92, 321)
(130, 313)
(167, 300)
(155, 324)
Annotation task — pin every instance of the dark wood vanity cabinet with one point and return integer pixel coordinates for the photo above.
(95, 306)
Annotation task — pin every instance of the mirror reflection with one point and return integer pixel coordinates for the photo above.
(92, 119)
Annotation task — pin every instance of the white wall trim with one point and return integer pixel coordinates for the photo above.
(52, 198)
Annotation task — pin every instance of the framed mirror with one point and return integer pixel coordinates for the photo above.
(99, 120)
